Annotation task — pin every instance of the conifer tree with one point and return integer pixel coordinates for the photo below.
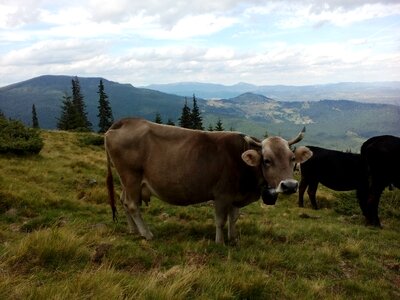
(170, 122)
(185, 120)
(68, 116)
(82, 122)
(158, 118)
(219, 126)
(35, 120)
(197, 120)
(210, 128)
(105, 113)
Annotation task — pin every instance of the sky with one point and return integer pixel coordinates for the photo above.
(146, 42)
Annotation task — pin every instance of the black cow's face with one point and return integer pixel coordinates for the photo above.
(276, 161)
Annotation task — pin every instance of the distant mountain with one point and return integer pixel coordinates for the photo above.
(204, 90)
(339, 124)
(47, 92)
(372, 92)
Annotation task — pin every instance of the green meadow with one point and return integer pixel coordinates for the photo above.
(58, 240)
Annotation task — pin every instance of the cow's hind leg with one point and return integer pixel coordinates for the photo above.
(131, 224)
(362, 196)
(373, 205)
(132, 205)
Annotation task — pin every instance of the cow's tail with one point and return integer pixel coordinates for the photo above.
(110, 188)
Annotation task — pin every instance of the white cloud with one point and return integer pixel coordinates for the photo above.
(338, 13)
(222, 41)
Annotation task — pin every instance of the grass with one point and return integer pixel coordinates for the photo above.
(58, 241)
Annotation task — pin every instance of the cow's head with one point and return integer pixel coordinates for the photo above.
(276, 160)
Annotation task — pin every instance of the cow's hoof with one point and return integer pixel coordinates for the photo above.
(375, 223)
(148, 236)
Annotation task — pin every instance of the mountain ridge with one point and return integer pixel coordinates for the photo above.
(331, 123)
(386, 92)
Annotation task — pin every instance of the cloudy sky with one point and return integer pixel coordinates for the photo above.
(225, 41)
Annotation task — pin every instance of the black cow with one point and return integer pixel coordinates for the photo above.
(382, 154)
(339, 171)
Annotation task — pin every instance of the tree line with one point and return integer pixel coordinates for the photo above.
(191, 118)
(74, 116)
(73, 110)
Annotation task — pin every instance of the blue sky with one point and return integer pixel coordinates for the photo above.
(224, 41)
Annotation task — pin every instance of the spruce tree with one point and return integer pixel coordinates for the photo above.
(185, 120)
(170, 122)
(105, 113)
(68, 114)
(158, 118)
(82, 122)
(197, 120)
(219, 126)
(35, 120)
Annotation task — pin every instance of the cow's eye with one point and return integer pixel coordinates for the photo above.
(266, 162)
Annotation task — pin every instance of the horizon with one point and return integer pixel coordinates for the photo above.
(205, 83)
(283, 42)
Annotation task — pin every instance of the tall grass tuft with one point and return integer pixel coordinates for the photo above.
(51, 248)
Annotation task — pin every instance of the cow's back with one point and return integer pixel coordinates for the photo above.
(335, 169)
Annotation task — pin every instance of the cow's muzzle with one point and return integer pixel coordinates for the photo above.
(270, 195)
(288, 186)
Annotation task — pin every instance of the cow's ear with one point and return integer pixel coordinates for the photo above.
(302, 154)
(251, 157)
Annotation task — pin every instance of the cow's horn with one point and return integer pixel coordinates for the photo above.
(251, 141)
(298, 138)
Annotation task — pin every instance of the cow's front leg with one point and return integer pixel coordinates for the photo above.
(312, 194)
(221, 215)
(302, 188)
(233, 217)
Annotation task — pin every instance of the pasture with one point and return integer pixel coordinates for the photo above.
(58, 241)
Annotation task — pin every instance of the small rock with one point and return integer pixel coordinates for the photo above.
(100, 251)
(92, 182)
(11, 212)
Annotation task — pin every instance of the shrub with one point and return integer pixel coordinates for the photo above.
(90, 139)
(16, 138)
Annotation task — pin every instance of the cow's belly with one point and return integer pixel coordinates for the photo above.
(177, 193)
(342, 185)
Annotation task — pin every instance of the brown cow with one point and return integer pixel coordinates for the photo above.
(182, 166)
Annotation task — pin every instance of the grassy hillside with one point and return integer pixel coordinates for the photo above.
(57, 240)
